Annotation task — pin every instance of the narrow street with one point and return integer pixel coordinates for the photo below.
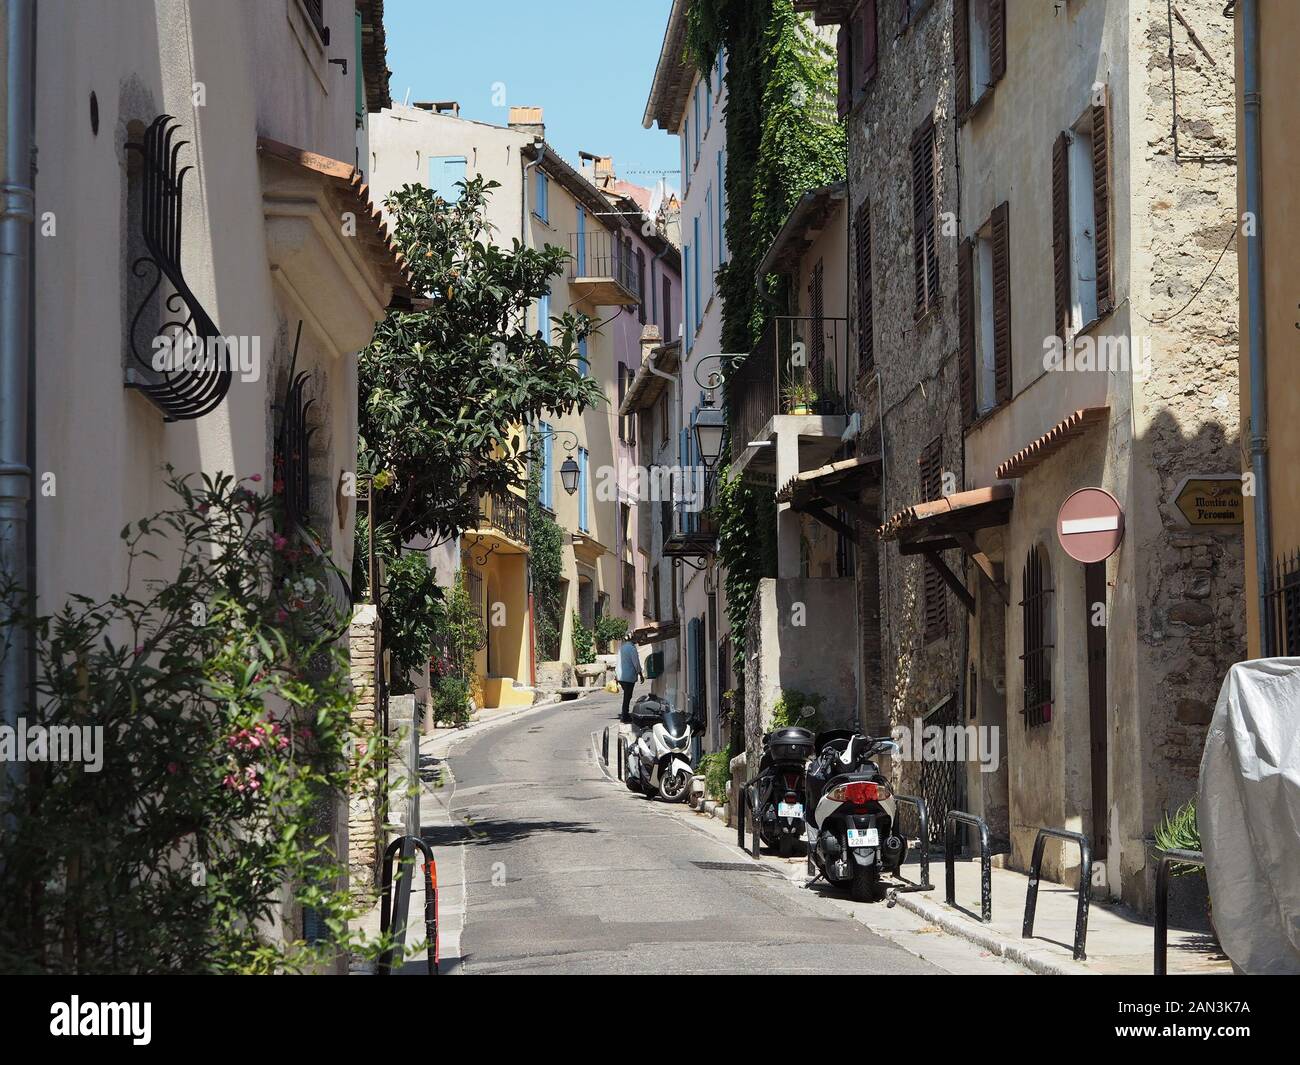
(565, 871)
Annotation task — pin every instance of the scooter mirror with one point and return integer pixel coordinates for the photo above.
(889, 747)
(808, 711)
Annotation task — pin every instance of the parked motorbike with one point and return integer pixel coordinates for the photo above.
(658, 758)
(851, 814)
(778, 789)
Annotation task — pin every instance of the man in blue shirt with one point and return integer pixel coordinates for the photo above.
(627, 674)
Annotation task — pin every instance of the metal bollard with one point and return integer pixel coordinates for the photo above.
(949, 855)
(1085, 884)
(1163, 860)
(393, 912)
(923, 824)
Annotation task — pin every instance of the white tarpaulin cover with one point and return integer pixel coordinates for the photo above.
(1249, 815)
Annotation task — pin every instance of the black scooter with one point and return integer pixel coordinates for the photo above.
(851, 814)
(778, 790)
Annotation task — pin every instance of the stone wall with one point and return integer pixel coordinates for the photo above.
(914, 391)
(364, 837)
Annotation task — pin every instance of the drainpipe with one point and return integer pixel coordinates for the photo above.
(17, 216)
(1248, 12)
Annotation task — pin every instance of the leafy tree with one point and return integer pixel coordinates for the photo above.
(445, 388)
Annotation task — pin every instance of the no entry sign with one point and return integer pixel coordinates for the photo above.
(1090, 525)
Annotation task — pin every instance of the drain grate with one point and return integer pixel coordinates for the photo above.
(735, 867)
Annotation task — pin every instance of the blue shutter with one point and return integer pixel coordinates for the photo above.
(697, 119)
(544, 490)
(695, 274)
(722, 207)
(582, 489)
(584, 363)
(542, 208)
(582, 242)
(687, 331)
(544, 316)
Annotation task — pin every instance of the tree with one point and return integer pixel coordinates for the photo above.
(446, 388)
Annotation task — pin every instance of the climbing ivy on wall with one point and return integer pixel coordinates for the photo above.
(783, 138)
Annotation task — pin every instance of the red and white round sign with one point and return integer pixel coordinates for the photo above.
(1090, 525)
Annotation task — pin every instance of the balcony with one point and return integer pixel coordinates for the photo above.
(603, 270)
(793, 382)
(503, 523)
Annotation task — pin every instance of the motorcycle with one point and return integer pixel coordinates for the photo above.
(778, 789)
(851, 814)
(658, 758)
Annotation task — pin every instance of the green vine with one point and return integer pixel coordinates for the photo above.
(545, 542)
(584, 643)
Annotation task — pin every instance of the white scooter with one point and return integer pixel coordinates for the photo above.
(658, 760)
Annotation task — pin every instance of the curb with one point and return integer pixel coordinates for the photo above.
(1032, 960)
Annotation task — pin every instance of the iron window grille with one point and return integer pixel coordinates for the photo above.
(1038, 646)
(1281, 632)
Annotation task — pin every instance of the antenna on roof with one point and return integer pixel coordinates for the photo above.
(406, 100)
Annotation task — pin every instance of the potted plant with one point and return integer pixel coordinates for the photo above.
(800, 397)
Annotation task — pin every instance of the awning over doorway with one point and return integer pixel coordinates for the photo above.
(951, 523)
(835, 486)
(664, 633)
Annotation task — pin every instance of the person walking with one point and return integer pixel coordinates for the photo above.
(627, 674)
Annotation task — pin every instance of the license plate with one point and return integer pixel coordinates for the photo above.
(864, 837)
(789, 809)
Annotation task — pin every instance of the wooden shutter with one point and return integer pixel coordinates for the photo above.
(866, 318)
(867, 42)
(844, 65)
(934, 590)
(1101, 201)
(966, 329)
(961, 54)
(1002, 301)
(924, 258)
(1061, 232)
(997, 40)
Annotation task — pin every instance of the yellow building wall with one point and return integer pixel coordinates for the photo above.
(1280, 229)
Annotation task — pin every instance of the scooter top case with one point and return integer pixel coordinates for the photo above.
(790, 746)
(649, 710)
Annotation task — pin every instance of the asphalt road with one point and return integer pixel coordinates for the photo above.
(566, 871)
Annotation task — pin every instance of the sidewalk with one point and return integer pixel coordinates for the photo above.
(1118, 939)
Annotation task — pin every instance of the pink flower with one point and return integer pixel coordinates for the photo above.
(173, 768)
(139, 648)
(255, 478)
(281, 615)
(279, 541)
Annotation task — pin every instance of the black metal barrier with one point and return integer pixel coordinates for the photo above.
(949, 855)
(923, 821)
(740, 816)
(392, 914)
(604, 747)
(1163, 860)
(1085, 884)
(622, 755)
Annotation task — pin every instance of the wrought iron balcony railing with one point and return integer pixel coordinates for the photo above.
(607, 265)
(507, 513)
(799, 366)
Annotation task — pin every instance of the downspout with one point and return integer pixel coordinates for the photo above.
(540, 145)
(1249, 14)
(17, 217)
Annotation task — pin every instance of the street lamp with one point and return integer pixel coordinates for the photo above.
(569, 475)
(710, 425)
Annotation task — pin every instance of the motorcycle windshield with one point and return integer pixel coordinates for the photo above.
(675, 725)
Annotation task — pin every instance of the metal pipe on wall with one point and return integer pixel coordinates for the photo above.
(1248, 12)
(17, 218)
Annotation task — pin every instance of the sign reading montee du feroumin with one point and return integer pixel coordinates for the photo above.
(1211, 501)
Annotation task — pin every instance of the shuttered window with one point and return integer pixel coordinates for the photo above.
(925, 260)
(1061, 250)
(1081, 241)
(1035, 603)
(640, 285)
(862, 262)
(979, 33)
(934, 597)
(1101, 200)
(843, 61)
(966, 330)
(864, 44)
(1001, 226)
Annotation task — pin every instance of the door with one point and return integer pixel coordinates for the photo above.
(1094, 581)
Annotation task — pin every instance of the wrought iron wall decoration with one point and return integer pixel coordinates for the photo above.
(183, 389)
(292, 483)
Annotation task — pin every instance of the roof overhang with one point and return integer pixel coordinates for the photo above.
(938, 523)
(557, 167)
(647, 386)
(827, 12)
(1051, 441)
(656, 633)
(374, 55)
(673, 77)
(837, 486)
(810, 216)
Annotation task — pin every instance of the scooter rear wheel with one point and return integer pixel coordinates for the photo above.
(866, 885)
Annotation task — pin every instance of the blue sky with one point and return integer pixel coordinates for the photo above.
(587, 63)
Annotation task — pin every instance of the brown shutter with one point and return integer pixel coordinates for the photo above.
(934, 592)
(866, 42)
(932, 215)
(866, 313)
(1101, 201)
(844, 61)
(997, 40)
(918, 219)
(961, 54)
(1002, 301)
(966, 329)
(1061, 231)
(924, 234)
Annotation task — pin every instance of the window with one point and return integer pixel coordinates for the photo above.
(1036, 590)
(687, 331)
(629, 585)
(546, 487)
(544, 316)
(695, 274)
(925, 261)
(722, 208)
(720, 71)
(582, 490)
(444, 172)
(979, 49)
(984, 317)
(584, 360)
(654, 295)
(541, 207)
(1081, 222)
(934, 593)
(624, 525)
(663, 420)
(713, 244)
(863, 45)
(695, 154)
(686, 155)
(580, 264)
(866, 310)
(667, 309)
(640, 285)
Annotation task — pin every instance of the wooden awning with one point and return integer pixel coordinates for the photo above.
(835, 486)
(1051, 441)
(669, 630)
(951, 523)
(647, 386)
